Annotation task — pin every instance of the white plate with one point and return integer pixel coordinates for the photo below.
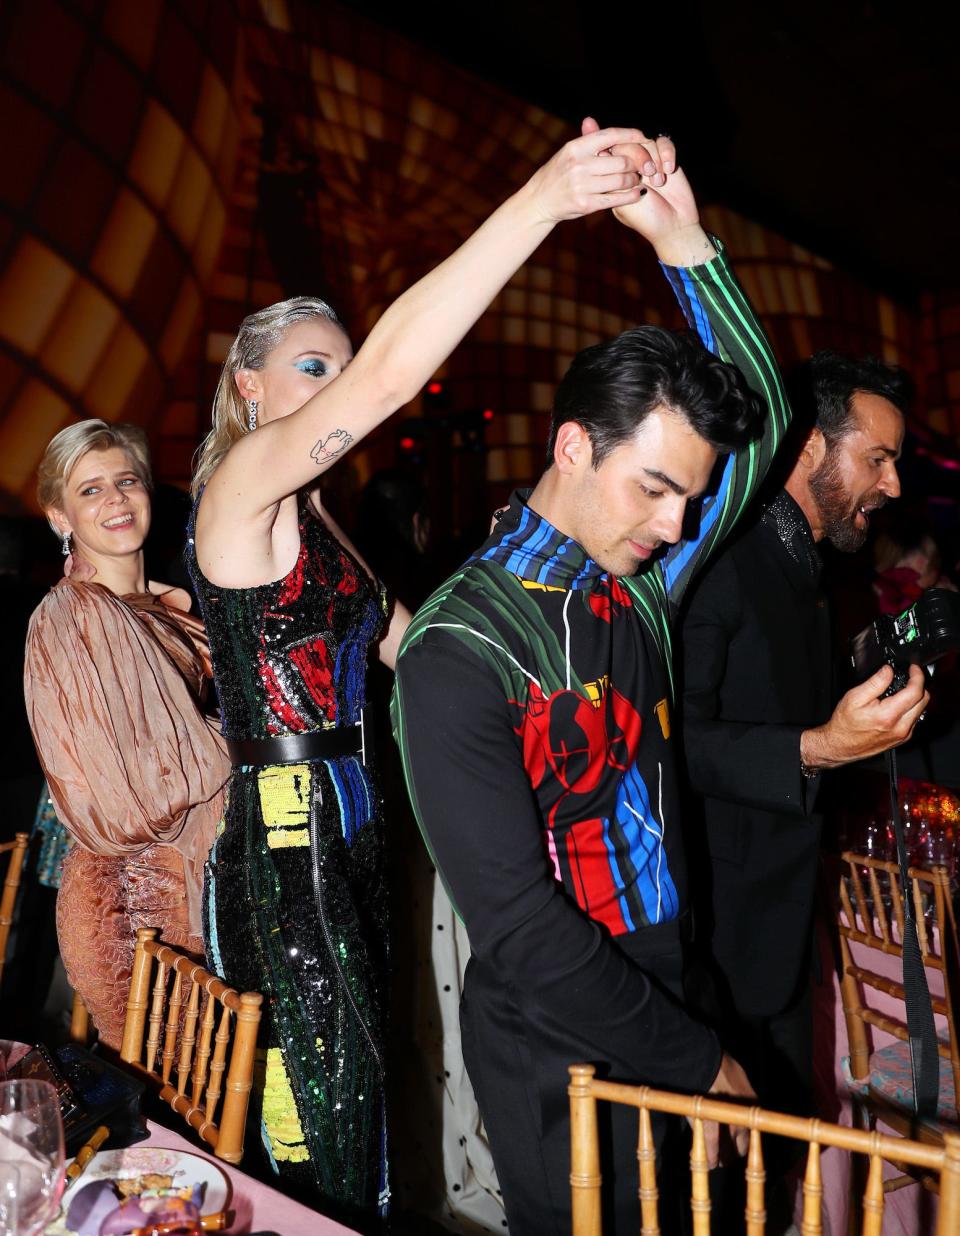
(184, 1168)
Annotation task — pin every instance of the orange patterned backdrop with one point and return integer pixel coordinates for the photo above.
(170, 166)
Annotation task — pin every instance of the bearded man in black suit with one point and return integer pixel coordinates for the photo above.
(759, 726)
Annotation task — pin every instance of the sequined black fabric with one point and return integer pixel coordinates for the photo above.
(794, 531)
(294, 901)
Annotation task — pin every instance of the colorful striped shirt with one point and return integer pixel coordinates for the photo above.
(533, 709)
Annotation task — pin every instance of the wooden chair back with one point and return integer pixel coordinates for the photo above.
(871, 914)
(17, 849)
(79, 1021)
(585, 1179)
(186, 1050)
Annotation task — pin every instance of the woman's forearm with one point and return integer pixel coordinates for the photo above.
(419, 331)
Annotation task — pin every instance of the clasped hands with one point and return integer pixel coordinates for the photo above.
(635, 176)
(600, 170)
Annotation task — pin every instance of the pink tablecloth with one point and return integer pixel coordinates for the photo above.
(910, 1211)
(256, 1206)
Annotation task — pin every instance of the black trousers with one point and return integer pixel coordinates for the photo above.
(519, 1074)
(774, 1046)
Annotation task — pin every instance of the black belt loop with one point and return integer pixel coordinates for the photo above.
(356, 739)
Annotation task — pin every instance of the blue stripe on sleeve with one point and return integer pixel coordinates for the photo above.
(681, 553)
(701, 322)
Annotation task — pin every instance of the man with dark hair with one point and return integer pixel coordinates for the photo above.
(533, 712)
(757, 722)
(610, 388)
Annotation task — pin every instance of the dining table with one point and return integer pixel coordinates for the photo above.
(254, 1205)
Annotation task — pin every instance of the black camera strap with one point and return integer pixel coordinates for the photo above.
(924, 1055)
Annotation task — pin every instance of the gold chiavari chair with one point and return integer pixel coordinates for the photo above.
(17, 849)
(178, 1034)
(871, 916)
(942, 1160)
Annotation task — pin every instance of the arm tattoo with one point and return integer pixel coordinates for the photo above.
(330, 447)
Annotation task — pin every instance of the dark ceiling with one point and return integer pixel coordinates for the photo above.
(833, 123)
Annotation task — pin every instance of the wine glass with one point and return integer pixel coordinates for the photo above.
(9, 1188)
(31, 1142)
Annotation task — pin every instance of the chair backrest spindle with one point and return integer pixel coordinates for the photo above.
(921, 918)
(188, 1038)
(224, 1049)
(219, 1062)
(756, 1213)
(879, 909)
(202, 1065)
(585, 1155)
(155, 1019)
(865, 916)
(173, 1025)
(17, 849)
(897, 902)
(79, 1021)
(699, 1179)
(649, 1193)
(812, 1224)
(873, 1198)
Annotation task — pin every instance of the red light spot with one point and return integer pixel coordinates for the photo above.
(488, 414)
(407, 444)
(434, 388)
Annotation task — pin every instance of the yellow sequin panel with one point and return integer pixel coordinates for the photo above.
(663, 716)
(285, 804)
(280, 1117)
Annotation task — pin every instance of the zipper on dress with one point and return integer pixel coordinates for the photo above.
(325, 927)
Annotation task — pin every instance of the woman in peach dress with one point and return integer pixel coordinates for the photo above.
(115, 676)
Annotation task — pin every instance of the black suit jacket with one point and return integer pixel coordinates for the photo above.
(756, 672)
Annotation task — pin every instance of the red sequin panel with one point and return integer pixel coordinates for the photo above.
(312, 659)
(277, 699)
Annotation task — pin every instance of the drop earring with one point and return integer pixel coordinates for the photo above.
(252, 418)
(66, 547)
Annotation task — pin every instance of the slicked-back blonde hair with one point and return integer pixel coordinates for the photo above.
(69, 446)
(259, 334)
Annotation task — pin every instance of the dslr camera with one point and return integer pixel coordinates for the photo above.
(929, 629)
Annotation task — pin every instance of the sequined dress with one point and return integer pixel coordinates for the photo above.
(294, 902)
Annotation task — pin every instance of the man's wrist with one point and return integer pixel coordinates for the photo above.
(815, 753)
(688, 246)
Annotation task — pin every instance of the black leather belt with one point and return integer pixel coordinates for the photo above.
(301, 748)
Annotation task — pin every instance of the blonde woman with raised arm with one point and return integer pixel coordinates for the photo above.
(295, 893)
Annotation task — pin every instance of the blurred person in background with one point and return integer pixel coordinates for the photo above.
(907, 561)
(392, 531)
